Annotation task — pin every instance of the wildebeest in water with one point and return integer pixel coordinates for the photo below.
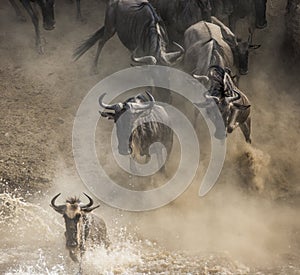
(140, 122)
(82, 228)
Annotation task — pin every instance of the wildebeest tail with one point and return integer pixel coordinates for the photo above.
(88, 43)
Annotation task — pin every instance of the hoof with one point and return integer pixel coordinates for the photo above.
(40, 50)
(81, 20)
(94, 70)
(261, 26)
(21, 19)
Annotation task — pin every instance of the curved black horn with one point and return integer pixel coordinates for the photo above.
(148, 59)
(212, 97)
(233, 98)
(91, 202)
(152, 100)
(114, 107)
(202, 78)
(217, 67)
(59, 208)
(172, 57)
(179, 46)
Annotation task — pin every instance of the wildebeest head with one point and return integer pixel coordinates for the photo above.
(125, 115)
(47, 7)
(227, 97)
(241, 52)
(74, 213)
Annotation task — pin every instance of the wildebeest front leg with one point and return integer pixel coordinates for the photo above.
(19, 14)
(160, 161)
(35, 21)
(246, 129)
(132, 165)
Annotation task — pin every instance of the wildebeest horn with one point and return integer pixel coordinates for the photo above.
(233, 98)
(150, 96)
(91, 202)
(114, 107)
(212, 97)
(179, 46)
(217, 67)
(87, 207)
(148, 59)
(202, 78)
(172, 58)
(59, 208)
(207, 96)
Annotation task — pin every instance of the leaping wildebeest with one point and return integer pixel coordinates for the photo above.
(233, 104)
(206, 46)
(82, 228)
(47, 8)
(140, 122)
(139, 28)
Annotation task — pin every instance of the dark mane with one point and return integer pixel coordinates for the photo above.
(72, 200)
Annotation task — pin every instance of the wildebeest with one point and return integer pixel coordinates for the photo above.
(178, 15)
(236, 9)
(140, 123)
(233, 104)
(205, 46)
(47, 8)
(81, 227)
(139, 28)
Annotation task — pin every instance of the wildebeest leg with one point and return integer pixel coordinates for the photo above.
(109, 31)
(260, 13)
(73, 255)
(161, 94)
(246, 129)
(233, 121)
(19, 14)
(232, 19)
(35, 22)
(78, 11)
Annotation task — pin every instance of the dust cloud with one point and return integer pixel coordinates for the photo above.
(248, 223)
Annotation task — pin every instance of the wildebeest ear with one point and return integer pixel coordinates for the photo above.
(107, 115)
(90, 209)
(254, 47)
(240, 106)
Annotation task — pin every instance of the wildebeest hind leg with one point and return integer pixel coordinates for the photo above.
(246, 129)
(109, 31)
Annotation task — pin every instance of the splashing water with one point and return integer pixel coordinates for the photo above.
(34, 244)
